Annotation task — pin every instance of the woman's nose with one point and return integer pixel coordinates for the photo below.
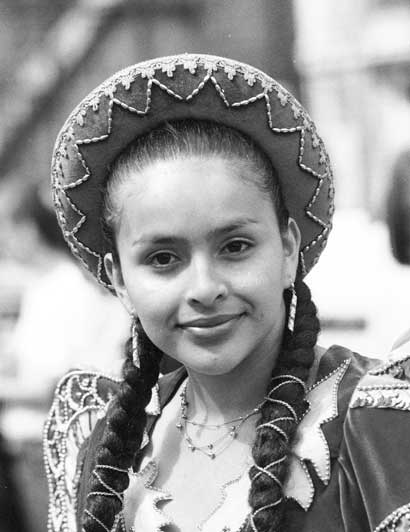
(206, 285)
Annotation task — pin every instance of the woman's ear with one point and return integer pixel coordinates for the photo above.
(114, 273)
(291, 240)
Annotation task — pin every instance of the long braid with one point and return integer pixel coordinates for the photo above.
(126, 420)
(280, 415)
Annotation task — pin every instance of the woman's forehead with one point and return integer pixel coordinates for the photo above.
(188, 181)
(183, 192)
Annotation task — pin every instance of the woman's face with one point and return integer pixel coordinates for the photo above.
(203, 264)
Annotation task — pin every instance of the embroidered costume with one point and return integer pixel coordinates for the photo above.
(346, 472)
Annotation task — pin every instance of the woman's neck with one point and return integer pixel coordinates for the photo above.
(217, 399)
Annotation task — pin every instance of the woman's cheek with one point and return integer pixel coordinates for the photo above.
(156, 302)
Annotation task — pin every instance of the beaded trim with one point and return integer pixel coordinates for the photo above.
(397, 521)
(223, 498)
(395, 367)
(387, 386)
(79, 401)
(190, 62)
(148, 475)
(382, 396)
(311, 444)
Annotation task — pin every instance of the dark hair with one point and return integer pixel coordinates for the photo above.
(285, 401)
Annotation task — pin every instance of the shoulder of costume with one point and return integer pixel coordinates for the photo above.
(376, 433)
(351, 367)
(339, 372)
(73, 430)
(386, 386)
(320, 432)
(80, 402)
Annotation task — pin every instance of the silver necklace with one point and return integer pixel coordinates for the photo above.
(218, 445)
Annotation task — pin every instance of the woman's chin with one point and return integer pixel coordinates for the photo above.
(212, 364)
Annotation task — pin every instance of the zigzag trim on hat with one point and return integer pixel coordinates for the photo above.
(168, 65)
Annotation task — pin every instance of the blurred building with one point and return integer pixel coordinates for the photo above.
(354, 62)
(353, 58)
(62, 50)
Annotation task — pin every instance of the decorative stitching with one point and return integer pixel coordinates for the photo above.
(219, 90)
(224, 496)
(277, 129)
(301, 455)
(391, 367)
(300, 462)
(151, 469)
(76, 394)
(381, 397)
(253, 99)
(400, 517)
(340, 371)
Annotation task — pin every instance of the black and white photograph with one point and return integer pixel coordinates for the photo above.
(204, 266)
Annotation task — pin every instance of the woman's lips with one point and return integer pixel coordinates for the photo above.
(209, 321)
(211, 328)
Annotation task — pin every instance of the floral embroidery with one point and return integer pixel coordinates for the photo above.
(374, 395)
(387, 386)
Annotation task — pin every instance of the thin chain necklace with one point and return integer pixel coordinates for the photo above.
(217, 446)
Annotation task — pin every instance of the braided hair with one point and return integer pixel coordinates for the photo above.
(123, 435)
(285, 398)
(283, 408)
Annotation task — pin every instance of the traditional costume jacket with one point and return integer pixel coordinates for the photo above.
(350, 469)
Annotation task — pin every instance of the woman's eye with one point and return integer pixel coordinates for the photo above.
(162, 259)
(236, 247)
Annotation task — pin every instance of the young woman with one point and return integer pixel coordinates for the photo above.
(197, 189)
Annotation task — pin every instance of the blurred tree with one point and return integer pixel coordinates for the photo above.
(102, 33)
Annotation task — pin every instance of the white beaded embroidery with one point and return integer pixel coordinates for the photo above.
(387, 386)
(397, 521)
(75, 409)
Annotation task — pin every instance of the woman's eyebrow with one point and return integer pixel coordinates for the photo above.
(166, 240)
(233, 225)
(157, 239)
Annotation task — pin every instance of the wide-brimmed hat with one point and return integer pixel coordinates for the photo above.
(188, 86)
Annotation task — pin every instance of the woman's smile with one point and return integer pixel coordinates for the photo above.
(211, 328)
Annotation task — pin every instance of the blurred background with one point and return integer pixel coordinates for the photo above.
(349, 64)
